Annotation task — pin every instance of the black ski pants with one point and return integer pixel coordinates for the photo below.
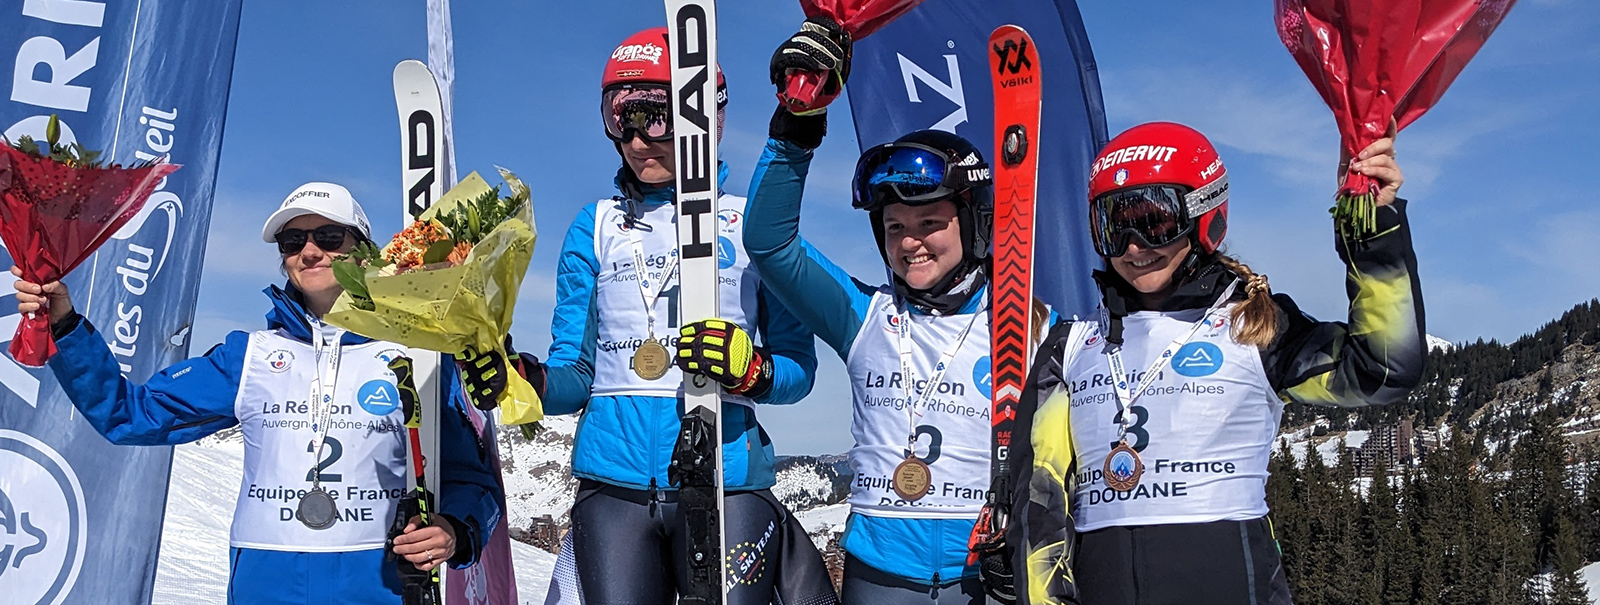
(629, 545)
(1222, 562)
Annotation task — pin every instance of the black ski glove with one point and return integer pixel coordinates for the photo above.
(821, 46)
(722, 351)
(806, 131)
(485, 377)
(994, 568)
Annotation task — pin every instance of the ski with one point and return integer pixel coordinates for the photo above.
(1017, 92)
(416, 97)
(697, 459)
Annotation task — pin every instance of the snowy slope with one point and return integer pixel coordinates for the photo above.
(194, 537)
(1591, 578)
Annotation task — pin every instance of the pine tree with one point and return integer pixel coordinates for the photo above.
(1589, 511)
(1566, 587)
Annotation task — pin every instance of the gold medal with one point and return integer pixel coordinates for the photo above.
(1123, 467)
(912, 478)
(650, 360)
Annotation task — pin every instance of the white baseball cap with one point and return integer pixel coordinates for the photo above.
(331, 201)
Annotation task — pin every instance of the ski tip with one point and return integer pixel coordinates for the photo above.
(1008, 30)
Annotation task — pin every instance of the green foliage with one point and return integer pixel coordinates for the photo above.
(73, 155)
(1451, 531)
(471, 221)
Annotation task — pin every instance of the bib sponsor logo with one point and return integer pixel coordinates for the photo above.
(729, 221)
(378, 397)
(727, 256)
(43, 522)
(1197, 359)
(388, 355)
(1092, 341)
(982, 376)
(279, 361)
(892, 324)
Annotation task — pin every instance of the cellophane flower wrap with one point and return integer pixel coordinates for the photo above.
(859, 18)
(448, 282)
(57, 206)
(1377, 60)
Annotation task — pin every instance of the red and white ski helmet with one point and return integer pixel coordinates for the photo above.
(1167, 153)
(642, 59)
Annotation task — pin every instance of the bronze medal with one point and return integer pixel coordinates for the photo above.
(1123, 467)
(650, 360)
(912, 478)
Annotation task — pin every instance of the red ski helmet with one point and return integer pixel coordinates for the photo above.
(642, 59)
(1158, 164)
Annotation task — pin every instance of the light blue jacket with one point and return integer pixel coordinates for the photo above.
(627, 440)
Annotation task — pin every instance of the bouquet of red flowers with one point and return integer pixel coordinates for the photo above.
(859, 18)
(58, 204)
(1377, 61)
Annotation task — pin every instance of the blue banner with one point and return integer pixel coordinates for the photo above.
(80, 519)
(930, 69)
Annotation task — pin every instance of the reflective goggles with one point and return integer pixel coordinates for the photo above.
(643, 110)
(912, 172)
(1155, 214)
(330, 238)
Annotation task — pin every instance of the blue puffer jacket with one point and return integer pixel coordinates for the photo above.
(195, 398)
(627, 440)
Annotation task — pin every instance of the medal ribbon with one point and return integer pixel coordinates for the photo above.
(915, 400)
(320, 401)
(1119, 375)
(647, 293)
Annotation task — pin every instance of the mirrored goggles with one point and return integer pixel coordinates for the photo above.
(910, 172)
(1155, 214)
(642, 110)
(330, 238)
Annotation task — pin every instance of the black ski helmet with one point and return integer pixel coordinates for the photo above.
(966, 181)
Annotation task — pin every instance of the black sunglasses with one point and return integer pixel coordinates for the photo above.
(330, 238)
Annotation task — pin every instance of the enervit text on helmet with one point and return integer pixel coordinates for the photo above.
(1158, 182)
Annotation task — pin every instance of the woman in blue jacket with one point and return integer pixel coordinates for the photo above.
(916, 349)
(615, 321)
(351, 450)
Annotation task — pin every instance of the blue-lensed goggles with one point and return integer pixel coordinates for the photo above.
(911, 172)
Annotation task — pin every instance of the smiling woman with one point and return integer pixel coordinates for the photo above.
(324, 455)
(1172, 466)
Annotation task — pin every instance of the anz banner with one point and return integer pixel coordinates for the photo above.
(930, 69)
(80, 519)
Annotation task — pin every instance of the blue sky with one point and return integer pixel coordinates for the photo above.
(1501, 173)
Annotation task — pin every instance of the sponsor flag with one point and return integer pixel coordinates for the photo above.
(929, 69)
(80, 519)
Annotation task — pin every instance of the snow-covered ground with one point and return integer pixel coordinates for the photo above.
(194, 538)
(824, 522)
(1591, 578)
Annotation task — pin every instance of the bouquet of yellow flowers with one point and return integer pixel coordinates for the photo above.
(448, 282)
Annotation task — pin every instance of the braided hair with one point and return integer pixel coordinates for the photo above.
(1255, 322)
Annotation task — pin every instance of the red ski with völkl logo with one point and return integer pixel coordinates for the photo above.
(1015, 74)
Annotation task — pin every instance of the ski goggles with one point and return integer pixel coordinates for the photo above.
(642, 110)
(912, 172)
(330, 238)
(1155, 214)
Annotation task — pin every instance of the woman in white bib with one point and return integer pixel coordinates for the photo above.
(1169, 401)
(321, 482)
(916, 349)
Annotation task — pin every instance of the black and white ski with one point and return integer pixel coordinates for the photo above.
(416, 96)
(697, 459)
